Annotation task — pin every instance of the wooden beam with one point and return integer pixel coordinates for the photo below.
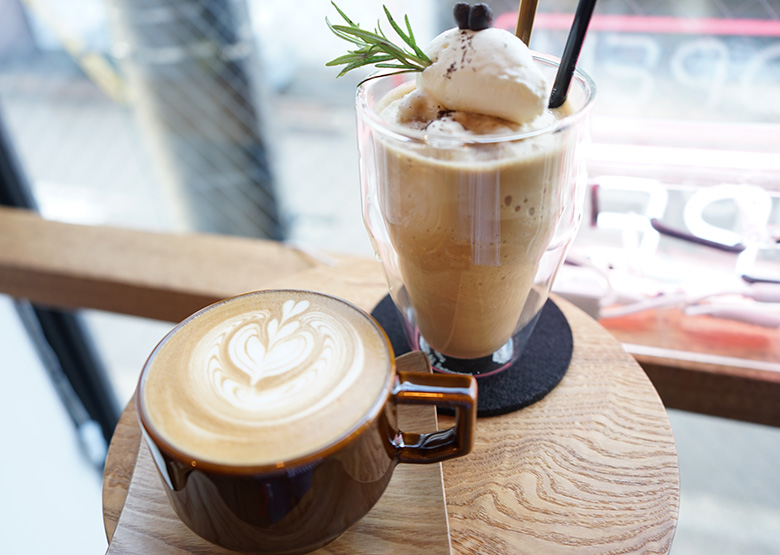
(154, 275)
(725, 391)
(706, 365)
(169, 276)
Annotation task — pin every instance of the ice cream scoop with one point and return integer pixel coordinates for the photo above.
(488, 72)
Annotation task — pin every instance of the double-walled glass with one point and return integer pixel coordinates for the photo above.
(471, 229)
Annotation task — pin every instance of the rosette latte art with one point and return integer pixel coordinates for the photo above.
(263, 370)
(267, 382)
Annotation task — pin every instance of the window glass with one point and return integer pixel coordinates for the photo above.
(221, 116)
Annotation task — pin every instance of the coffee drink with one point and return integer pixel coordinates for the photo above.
(270, 377)
(470, 226)
(470, 213)
(272, 418)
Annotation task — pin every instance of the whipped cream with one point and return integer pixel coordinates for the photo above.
(489, 72)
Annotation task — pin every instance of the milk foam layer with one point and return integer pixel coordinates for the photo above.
(266, 378)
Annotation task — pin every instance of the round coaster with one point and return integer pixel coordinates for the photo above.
(540, 368)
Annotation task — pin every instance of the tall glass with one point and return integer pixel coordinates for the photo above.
(471, 230)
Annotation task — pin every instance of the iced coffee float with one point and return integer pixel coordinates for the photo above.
(470, 200)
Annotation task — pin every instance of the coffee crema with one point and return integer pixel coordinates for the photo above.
(266, 378)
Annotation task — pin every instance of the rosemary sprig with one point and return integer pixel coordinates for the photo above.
(374, 48)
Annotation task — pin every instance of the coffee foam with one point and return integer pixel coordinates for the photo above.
(265, 378)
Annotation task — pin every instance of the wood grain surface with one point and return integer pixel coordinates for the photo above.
(592, 468)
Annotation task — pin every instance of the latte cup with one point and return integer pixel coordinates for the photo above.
(272, 418)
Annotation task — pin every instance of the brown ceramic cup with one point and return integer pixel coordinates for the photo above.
(272, 418)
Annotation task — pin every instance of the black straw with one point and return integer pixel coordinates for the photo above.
(571, 52)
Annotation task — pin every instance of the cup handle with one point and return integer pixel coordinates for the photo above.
(415, 385)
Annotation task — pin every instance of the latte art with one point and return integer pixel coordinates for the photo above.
(273, 368)
(263, 351)
(266, 377)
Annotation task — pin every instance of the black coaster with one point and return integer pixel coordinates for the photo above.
(541, 367)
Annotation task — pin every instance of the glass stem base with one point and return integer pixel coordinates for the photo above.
(507, 355)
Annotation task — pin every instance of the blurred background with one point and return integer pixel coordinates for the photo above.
(219, 116)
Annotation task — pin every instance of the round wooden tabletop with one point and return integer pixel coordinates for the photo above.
(591, 468)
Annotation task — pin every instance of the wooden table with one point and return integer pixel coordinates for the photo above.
(592, 468)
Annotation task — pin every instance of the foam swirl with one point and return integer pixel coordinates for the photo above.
(263, 369)
(266, 377)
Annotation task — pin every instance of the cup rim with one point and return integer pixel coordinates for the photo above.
(402, 133)
(215, 467)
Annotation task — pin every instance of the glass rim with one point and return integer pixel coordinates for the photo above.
(400, 132)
